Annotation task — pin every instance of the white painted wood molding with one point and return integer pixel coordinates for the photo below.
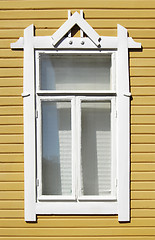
(29, 127)
(45, 42)
(123, 126)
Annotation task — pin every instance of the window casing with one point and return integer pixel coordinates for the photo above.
(33, 96)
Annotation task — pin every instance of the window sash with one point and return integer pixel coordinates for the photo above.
(94, 99)
(110, 92)
(76, 146)
(39, 147)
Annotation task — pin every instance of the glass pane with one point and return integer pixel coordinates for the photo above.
(56, 148)
(75, 72)
(96, 148)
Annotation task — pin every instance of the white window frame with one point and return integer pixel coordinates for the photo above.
(58, 41)
(53, 95)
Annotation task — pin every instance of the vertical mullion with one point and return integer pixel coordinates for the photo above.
(74, 155)
(78, 112)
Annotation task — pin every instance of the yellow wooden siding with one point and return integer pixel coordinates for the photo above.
(138, 16)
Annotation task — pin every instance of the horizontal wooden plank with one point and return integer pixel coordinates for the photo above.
(142, 81)
(143, 157)
(14, 177)
(143, 176)
(139, 138)
(142, 129)
(81, 238)
(143, 148)
(140, 62)
(143, 213)
(13, 33)
(143, 186)
(11, 167)
(142, 119)
(11, 129)
(11, 91)
(136, 110)
(11, 214)
(11, 72)
(9, 53)
(143, 195)
(89, 14)
(47, 4)
(12, 139)
(108, 13)
(11, 63)
(13, 110)
(11, 157)
(134, 33)
(39, 14)
(77, 232)
(142, 71)
(141, 100)
(142, 91)
(142, 167)
(11, 195)
(8, 120)
(11, 148)
(16, 24)
(11, 101)
(13, 204)
(11, 82)
(142, 204)
(12, 186)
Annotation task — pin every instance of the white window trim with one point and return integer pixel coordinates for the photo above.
(121, 44)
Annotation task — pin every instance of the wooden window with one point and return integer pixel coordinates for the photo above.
(76, 126)
(76, 122)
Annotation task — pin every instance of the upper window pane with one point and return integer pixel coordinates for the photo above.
(75, 72)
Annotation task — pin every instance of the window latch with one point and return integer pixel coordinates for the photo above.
(25, 94)
(127, 94)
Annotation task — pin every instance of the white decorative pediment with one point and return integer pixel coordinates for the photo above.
(76, 19)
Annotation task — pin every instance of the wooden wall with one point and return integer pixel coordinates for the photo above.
(138, 17)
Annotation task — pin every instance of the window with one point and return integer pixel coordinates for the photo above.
(76, 122)
(76, 126)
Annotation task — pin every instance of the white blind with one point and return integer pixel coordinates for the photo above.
(65, 162)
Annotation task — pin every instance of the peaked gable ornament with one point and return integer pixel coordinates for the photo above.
(76, 19)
